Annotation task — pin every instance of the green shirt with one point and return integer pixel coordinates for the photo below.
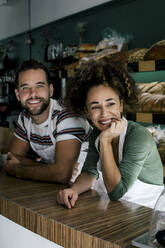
(140, 159)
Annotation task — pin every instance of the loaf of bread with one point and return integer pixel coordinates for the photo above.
(152, 88)
(159, 137)
(104, 44)
(80, 55)
(109, 53)
(148, 103)
(137, 54)
(163, 106)
(100, 55)
(151, 98)
(86, 47)
(156, 51)
(84, 50)
(151, 103)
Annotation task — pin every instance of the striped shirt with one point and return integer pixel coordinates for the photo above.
(43, 137)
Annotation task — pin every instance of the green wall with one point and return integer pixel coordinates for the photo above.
(143, 19)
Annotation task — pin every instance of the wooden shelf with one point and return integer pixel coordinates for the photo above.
(146, 66)
(154, 118)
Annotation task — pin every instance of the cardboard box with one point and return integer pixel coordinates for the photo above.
(148, 65)
(144, 117)
(5, 136)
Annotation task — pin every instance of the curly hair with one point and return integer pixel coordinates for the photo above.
(30, 65)
(95, 73)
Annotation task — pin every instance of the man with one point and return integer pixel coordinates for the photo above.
(45, 127)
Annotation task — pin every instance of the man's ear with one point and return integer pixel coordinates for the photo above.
(51, 88)
(121, 106)
(17, 95)
(86, 113)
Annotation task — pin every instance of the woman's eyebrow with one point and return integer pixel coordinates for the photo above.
(109, 99)
(106, 100)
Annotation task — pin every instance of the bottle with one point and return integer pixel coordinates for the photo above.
(157, 224)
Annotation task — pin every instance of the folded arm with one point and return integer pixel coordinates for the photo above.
(66, 154)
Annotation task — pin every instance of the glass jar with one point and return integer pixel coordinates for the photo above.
(157, 224)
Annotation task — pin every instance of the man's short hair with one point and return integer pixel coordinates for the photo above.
(34, 65)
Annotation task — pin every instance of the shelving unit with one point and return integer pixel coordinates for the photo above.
(148, 72)
(146, 66)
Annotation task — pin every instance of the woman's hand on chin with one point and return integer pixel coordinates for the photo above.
(116, 128)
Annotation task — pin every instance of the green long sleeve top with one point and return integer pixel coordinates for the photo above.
(140, 159)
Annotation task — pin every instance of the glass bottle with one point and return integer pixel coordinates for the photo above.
(157, 221)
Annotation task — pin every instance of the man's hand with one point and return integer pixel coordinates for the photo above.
(11, 160)
(67, 197)
(11, 164)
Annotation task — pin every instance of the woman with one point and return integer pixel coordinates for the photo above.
(122, 150)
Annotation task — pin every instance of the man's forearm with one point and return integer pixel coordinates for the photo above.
(25, 161)
(29, 169)
(39, 172)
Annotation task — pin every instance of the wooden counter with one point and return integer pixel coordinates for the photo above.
(94, 222)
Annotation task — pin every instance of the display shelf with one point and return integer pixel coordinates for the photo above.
(152, 118)
(147, 65)
(149, 77)
(147, 71)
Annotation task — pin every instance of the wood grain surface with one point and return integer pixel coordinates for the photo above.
(94, 222)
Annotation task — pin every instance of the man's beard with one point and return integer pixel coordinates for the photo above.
(35, 112)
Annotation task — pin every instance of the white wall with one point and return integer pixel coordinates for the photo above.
(13, 18)
(45, 11)
(14, 15)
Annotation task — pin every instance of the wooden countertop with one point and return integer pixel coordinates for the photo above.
(93, 223)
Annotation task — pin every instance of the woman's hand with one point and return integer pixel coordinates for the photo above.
(67, 197)
(74, 173)
(116, 128)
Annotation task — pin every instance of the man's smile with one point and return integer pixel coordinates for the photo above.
(33, 101)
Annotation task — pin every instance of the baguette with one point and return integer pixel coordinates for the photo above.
(152, 103)
(152, 88)
(157, 103)
(145, 102)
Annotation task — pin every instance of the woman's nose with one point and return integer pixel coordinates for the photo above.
(103, 111)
